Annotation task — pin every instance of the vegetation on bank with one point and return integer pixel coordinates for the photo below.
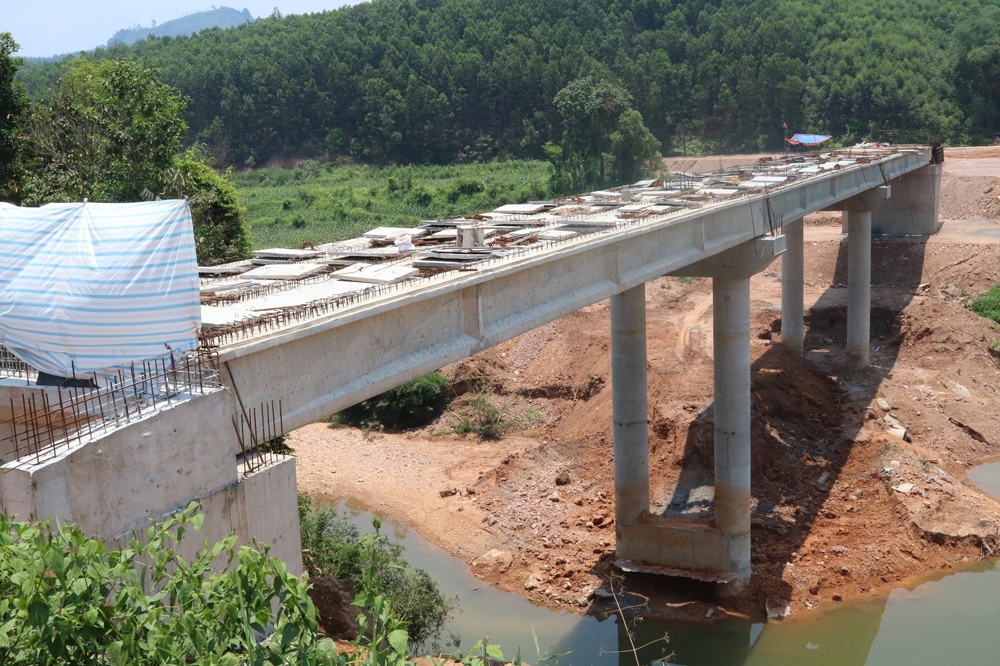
(988, 304)
(336, 201)
(411, 81)
(332, 546)
(69, 599)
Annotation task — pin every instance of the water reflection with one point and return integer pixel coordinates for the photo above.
(941, 619)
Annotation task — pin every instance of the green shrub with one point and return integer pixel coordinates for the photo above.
(488, 421)
(68, 599)
(333, 546)
(464, 187)
(219, 218)
(988, 304)
(463, 427)
(419, 196)
(413, 404)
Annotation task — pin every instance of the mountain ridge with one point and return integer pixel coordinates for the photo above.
(223, 17)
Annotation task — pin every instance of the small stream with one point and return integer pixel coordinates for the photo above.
(950, 618)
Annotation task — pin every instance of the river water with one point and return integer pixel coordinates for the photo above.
(948, 618)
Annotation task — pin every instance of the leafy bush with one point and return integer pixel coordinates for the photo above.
(488, 421)
(67, 599)
(988, 304)
(216, 214)
(332, 546)
(413, 404)
(464, 187)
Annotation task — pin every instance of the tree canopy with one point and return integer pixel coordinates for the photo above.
(605, 139)
(112, 132)
(108, 134)
(12, 106)
(437, 81)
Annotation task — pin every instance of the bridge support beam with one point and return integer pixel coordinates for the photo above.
(859, 283)
(731, 337)
(792, 264)
(631, 420)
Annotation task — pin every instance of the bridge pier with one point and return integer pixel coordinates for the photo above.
(859, 287)
(731, 338)
(629, 410)
(858, 222)
(716, 549)
(792, 265)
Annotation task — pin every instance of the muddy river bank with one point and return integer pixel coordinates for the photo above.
(941, 618)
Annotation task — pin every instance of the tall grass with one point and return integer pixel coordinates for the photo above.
(323, 203)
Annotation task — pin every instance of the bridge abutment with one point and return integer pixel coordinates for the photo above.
(913, 208)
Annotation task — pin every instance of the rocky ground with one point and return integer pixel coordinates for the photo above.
(841, 505)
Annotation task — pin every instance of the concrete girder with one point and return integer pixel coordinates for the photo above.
(741, 261)
(329, 363)
(869, 200)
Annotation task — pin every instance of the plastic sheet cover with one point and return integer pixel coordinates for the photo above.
(89, 286)
(808, 139)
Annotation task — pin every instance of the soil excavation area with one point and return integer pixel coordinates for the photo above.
(841, 507)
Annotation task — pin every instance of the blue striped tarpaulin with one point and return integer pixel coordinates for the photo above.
(92, 286)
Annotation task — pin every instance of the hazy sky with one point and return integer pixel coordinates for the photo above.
(50, 27)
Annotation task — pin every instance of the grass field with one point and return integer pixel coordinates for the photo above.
(323, 203)
(988, 304)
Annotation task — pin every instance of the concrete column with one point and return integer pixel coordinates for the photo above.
(859, 287)
(792, 327)
(631, 420)
(731, 303)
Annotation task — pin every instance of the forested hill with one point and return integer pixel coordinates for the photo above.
(433, 81)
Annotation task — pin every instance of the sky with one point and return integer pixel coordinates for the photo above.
(51, 27)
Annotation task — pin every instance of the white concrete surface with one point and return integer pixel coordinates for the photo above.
(792, 285)
(859, 283)
(631, 418)
(109, 485)
(261, 507)
(731, 339)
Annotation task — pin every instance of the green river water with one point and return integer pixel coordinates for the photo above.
(949, 619)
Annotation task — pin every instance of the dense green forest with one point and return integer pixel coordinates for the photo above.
(439, 81)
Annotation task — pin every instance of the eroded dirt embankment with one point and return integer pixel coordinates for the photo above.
(841, 507)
